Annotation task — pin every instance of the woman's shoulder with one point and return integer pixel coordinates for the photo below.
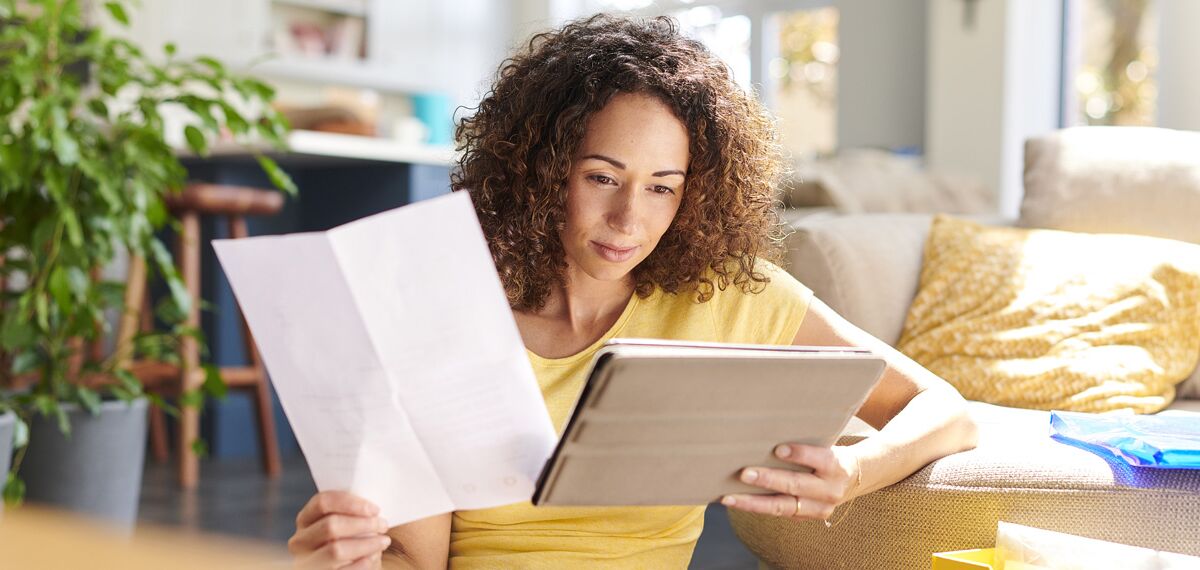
(765, 310)
(765, 284)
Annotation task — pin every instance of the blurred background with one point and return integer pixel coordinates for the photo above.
(954, 84)
(882, 105)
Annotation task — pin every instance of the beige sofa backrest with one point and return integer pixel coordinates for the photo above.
(1135, 180)
(866, 267)
(1092, 179)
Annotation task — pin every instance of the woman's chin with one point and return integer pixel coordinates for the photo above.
(604, 270)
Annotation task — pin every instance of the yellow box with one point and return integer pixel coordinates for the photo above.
(977, 559)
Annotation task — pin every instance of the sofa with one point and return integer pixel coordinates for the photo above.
(866, 266)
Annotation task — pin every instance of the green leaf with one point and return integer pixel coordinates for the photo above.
(122, 394)
(89, 399)
(179, 293)
(60, 289)
(117, 11)
(192, 399)
(64, 423)
(43, 232)
(163, 405)
(65, 147)
(49, 407)
(98, 108)
(156, 213)
(44, 404)
(203, 109)
(20, 433)
(200, 448)
(17, 332)
(279, 178)
(262, 90)
(214, 385)
(169, 49)
(78, 281)
(128, 382)
(237, 124)
(25, 361)
(196, 140)
(74, 232)
(212, 64)
(14, 490)
(41, 309)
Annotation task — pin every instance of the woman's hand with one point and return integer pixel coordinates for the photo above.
(800, 496)
(339, 530)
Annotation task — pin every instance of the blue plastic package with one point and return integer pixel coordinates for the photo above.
(1162, 441)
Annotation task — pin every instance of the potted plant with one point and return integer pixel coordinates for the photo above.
(84, 166)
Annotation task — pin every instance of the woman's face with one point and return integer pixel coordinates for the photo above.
(625, 185)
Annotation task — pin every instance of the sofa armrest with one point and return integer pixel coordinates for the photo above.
(864, 266)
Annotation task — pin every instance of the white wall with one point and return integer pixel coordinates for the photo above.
(450, 45)
(991, 85)
(455, 44)
(881, 73)
(1179, 64)
(964, 122)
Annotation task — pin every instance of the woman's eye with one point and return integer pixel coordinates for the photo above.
(663, 190)
(602, 179)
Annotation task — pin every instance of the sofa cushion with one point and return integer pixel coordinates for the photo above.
(1016, 474)
(1136, 180)
(865, 266)
(1047, 319)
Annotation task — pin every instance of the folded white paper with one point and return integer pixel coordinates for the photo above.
(396, 358)
(1020, 547)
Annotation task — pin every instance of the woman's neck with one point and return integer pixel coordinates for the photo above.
(585, 303)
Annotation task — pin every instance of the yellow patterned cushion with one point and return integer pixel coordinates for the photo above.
(1056, 320)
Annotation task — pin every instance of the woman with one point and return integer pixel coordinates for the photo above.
(624, 183)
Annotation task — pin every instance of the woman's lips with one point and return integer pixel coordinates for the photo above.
(613, 253)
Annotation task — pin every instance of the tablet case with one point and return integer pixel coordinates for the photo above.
(673, 423)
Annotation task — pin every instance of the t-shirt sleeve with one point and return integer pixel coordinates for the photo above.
(771, 314)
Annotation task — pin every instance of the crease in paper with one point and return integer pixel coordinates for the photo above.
(395, 356)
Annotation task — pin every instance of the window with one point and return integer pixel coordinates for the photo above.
(1112, 50)
(803, 80)
(727, 36)
(795, 66)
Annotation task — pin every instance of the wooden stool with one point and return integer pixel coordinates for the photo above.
(194, 201)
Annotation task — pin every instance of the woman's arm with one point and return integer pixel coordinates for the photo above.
(338, 529)
(919, 416)
(419, 544)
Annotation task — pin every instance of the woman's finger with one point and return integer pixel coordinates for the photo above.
(365, 563)
(345, 551)
(793, 483)
(820, 459)
(785, 506)
(334, 527)
(329, 502)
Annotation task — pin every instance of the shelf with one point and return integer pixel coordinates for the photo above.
(313, 145)
(349, 73)
(343, 7)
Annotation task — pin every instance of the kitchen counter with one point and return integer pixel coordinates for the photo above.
(314, 146)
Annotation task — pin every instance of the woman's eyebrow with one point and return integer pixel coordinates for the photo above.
(621, 165)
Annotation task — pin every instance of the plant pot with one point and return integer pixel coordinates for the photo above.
(97, 470)
(8, 423)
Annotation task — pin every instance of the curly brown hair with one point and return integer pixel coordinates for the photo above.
(517, 150)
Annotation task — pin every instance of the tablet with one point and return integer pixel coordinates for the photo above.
(674, 423)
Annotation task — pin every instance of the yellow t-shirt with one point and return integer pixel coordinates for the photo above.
(524, 536)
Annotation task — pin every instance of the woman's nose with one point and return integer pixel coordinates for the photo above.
(622, 215)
